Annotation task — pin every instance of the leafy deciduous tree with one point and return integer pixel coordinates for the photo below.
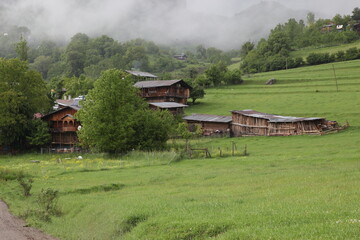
(22, 93)
(116, 119)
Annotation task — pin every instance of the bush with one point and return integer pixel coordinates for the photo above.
(47, 201)
(352, 53)
(26, 185)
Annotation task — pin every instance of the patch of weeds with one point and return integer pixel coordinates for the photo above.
(9, 175)
(239, 201)
(26, 184)
(129, 224)
(202, 231)
(100, 188)
(47, 202)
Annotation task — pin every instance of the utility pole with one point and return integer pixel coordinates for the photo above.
(337, 88)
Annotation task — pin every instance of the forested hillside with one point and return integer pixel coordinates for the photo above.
(274, 53)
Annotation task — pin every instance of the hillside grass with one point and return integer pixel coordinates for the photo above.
(296, 187)
(328, 49)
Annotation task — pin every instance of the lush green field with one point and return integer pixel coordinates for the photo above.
(298, 187)
(333, 49)
(303, 53)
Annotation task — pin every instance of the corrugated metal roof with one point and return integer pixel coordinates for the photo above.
(159, 83)
(165, 105)
(141, 74)
(64, 102)
(273, 118)
(208, 118)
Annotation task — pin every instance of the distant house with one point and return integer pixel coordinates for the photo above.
(182, 56)
(63, 126)
(356, 27)
(164, 91)
(339, 28)
(141, 76)
(210, 124)
(253, 123)
(328, 27)
(173, 107)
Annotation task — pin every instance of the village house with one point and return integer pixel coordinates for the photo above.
(253, 123)
(63, 126)
(209, 124)
(182, 56)
(328, 27)
(164, 91)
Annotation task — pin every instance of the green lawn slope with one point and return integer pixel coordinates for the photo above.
(297, 187)
(331, 49)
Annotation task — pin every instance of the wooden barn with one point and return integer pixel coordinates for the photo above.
(63, 126)
(164, 91)
(210, 124)
(253, 123)
(173, 107)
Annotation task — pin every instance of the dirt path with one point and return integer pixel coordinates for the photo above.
(13, 228)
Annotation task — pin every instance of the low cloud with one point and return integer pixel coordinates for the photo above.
(208, 22)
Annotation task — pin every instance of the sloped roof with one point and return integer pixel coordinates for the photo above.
(160, 83)
(141, 74)
(166, 105)
(64, 102)
(273, 118)
(77, 108)
(208, 118)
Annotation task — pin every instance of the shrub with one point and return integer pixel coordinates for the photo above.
(352, 53)
(26, 185)
(47, 202)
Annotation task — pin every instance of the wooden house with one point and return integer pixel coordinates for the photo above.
(63, 126)
(173, 107)
(164, 91)
(253, 123)
(181, 57)
(356, 27)
(210, 124)
(328, 27)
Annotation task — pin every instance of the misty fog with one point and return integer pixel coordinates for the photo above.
(213, 23)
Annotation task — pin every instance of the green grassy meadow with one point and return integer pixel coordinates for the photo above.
(330, 49)
(297, 187)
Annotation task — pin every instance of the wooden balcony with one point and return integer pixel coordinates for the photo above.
(64, 129)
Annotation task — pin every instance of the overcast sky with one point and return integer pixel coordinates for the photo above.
(164, 21)
(229, 7)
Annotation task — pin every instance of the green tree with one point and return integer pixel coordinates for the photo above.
(196, 92)
(39, 133)
(75, 54)
(246, 48)
(42, 64)
(22, 49)
(22, 93)
(76, 86)
(215, 73)
(116, 119)
(356, 14)
(310, 18)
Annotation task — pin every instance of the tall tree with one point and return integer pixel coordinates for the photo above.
(116, 119)
(356, 14)
(22, 49)
(22, 93)
(310, 18)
